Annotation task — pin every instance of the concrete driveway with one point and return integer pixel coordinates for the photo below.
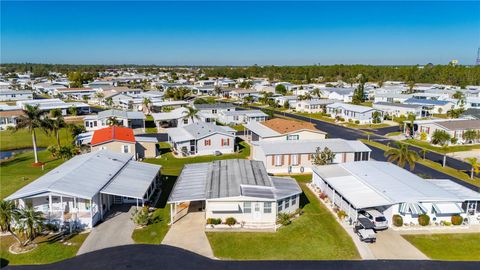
(391, 245)
(115, 230)
(189, 233)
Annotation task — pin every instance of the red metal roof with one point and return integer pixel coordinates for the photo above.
(113, 133)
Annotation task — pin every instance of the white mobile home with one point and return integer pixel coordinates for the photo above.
(279, 129)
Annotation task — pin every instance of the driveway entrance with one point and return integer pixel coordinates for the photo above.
(188, 232)
(391, 245)
(115, 230)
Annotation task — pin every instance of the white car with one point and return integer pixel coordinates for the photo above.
(378, 219)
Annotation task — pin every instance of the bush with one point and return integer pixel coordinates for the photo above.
(357, 122)
(423, 220)
(397, 220)
(341, 214)
(230, 221)
(457, 220)
(423, 136)
(446, 223)
(214, 221)
(284, 219)
(141, 217)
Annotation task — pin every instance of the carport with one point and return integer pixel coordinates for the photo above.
(189, 187)
(136, 183)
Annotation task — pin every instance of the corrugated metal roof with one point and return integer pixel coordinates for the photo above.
(261, 130)
(217, 105)
(310, 146)
(250, 113)
(82, 176)
(285, 187)
(121, 114)
(174, 114)
(198, 130)
(351, 107)
(133, 180)
(190, 185)
(456, 189)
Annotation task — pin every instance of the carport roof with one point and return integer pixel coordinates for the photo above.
(133, 181)
(190, 185)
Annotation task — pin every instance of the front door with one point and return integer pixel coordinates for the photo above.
(257, 215)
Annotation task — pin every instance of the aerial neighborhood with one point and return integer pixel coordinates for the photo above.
(331, 167)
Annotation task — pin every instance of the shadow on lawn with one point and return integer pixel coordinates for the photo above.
(168, 181)
(303, 200)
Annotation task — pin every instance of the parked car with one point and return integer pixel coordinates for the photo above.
(378, 219)
(364, 229)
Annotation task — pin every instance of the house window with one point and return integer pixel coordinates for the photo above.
(287, 203)
(294, 200)
(235, 118)
(280, 205)
(185, 121)
(94, 123)
(278, 160)
(225, 142)
(247, 207)
(208, 142)
(358, 156)
(214, 111)
(295, 160)
(257, 207)
(364, 155)
(293, 137)
(125, 148)
(267, 207)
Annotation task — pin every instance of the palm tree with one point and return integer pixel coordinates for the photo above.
(217, 90)
(473, 161)
(402, 155)
(31, 121)
(8, 213)
(54, 125)
(317, 92)
(30, 222)
(324, 157)
(72, 110)
(191, 113)
(247, 100)
(109, 102)
(147, 103)
(424, 152)
(112, 121)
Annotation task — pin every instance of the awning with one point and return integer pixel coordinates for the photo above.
(447, 208)
(190, 185)
(412, 208)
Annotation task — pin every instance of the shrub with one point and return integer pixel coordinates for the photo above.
(423, 136)
(457, 220)
(446, 223)
(350, 120)
(230, 221)
(397, 220)
(284, 219)
(214, 221)
(141, 217)
(357, 122)
(341, 214)
(423, 220)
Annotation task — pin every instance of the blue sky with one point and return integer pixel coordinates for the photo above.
(239, 33)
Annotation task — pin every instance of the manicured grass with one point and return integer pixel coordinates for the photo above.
(238, 127)
(464, 176)
(396, 133)
(429, 146)
(18, 171)
(49, 250)
(452, 247)
(317, 116)
(150, 126)
(23, 139)
(313, 236)
(171, 168)
(369, 126)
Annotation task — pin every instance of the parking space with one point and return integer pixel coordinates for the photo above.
(391, 245)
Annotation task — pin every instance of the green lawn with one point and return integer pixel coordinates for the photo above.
(171, 168)
(23, 139)
(455, 148)
(150, 126)
(49, 250)
(17, 172)
(464, 176)
(238, 127)
(317, 116)
(314, 236)
(451, 247)
(396, 133)
(362, 126)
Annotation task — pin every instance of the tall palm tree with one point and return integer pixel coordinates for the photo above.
(474, 162)
(402, 155)
(54, 125)
(147, 103)
(30, 223)
(112, 121)
(32, 120)
(109, 102)
(191, 113)
(247, 100)
(317, 92)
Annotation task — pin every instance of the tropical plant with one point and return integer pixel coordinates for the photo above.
(29, 223)
(247, 100)
(424, 152)
(230, 221)
(217, 90)
(470, 135)
(147, 103)
(53, 149)
(73, 110)
(456, 220)
(67, 152)
(423, 219)
(191, 113)
(455, 113)
(54, 125)
(440, 137)
(284, 219)
(376, 117)
(109, 102)
(32, 120)
(397, 220)
(141, 216)
(323, 157)
(113, 121)
(317, 92)
(474, 162)
(402, 155)
(266, 97)
(76, 130)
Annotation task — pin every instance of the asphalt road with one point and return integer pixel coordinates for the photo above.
(336, 131)
(171, 258)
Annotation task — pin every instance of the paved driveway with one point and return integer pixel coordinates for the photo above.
(116, 230)
(189, 233)
(391, 245)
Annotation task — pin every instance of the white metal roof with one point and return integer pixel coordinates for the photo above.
(457, 189)
(133, 180)
(190, 185)
(310, 146)
(198, 130)
(261, 130)
(351, 107)
(82, 176)
(174, 114)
